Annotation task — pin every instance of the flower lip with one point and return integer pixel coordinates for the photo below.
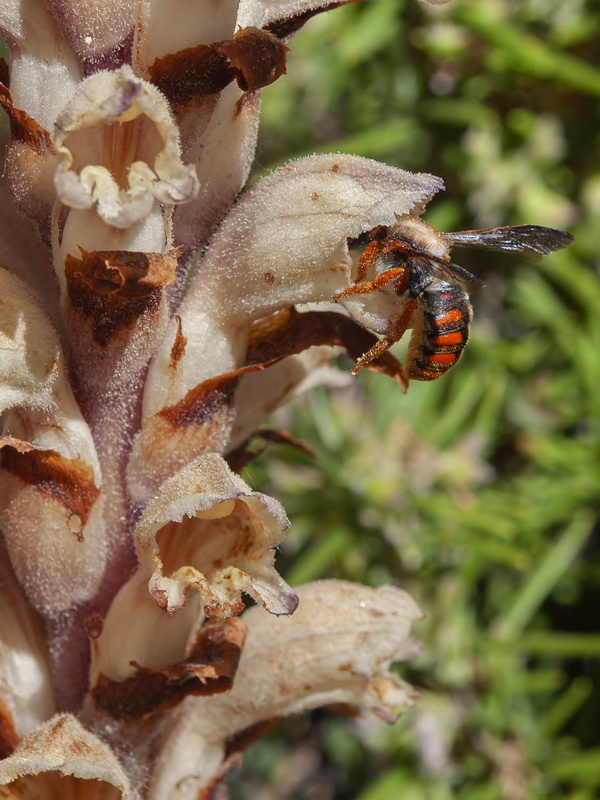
(207, 530)
(96, 124)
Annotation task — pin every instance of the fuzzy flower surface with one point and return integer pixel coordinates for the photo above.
(148, 327)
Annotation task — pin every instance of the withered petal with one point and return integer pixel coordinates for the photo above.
(288, 331)
(116, 311)
(24, 128)
(198, 423)
(253, 57)
(71, 482)
(209, 669)
(285, 27)
(257, 56)
(239, 458)
(129, 274)
(112, 291)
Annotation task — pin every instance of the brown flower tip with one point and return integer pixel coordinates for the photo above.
(24, 128)
(113, 289)
(286, 27)
(253, 447)
(69, 482)
(209, 669)
(253, 57)
(131, 275)
(60, 559)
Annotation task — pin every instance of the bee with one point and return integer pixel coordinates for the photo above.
(414, 259)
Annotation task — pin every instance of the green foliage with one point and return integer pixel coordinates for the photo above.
(478, 493)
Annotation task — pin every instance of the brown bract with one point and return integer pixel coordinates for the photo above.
(24, 128)
(129, 274)
(253, 57)
(285, 27)
(209, 669)
(70, 482)
(288, 331)
(239, 458)
(113, 289)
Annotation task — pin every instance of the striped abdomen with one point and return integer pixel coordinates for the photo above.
(440, 331)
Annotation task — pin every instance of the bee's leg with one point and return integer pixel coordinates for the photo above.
(368, 260)
(397, 274)
(373, 252)
(398, 330)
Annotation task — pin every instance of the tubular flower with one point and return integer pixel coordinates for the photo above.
(148, 326)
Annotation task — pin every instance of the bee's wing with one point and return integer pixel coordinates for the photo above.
(454, 274)
(529, 241)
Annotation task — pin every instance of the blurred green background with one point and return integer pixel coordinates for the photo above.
(478, 493)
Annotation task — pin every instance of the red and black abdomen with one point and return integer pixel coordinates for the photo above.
(440, 331)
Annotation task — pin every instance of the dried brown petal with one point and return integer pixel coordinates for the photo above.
(115, 309)
(287, 26)
(257, 56)
(199, 423)
(253, 57)
(112, 291)
(287, 332)
(208, 669)
(239, 458)
(51, 519)
(23, 128)
(131, 275)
